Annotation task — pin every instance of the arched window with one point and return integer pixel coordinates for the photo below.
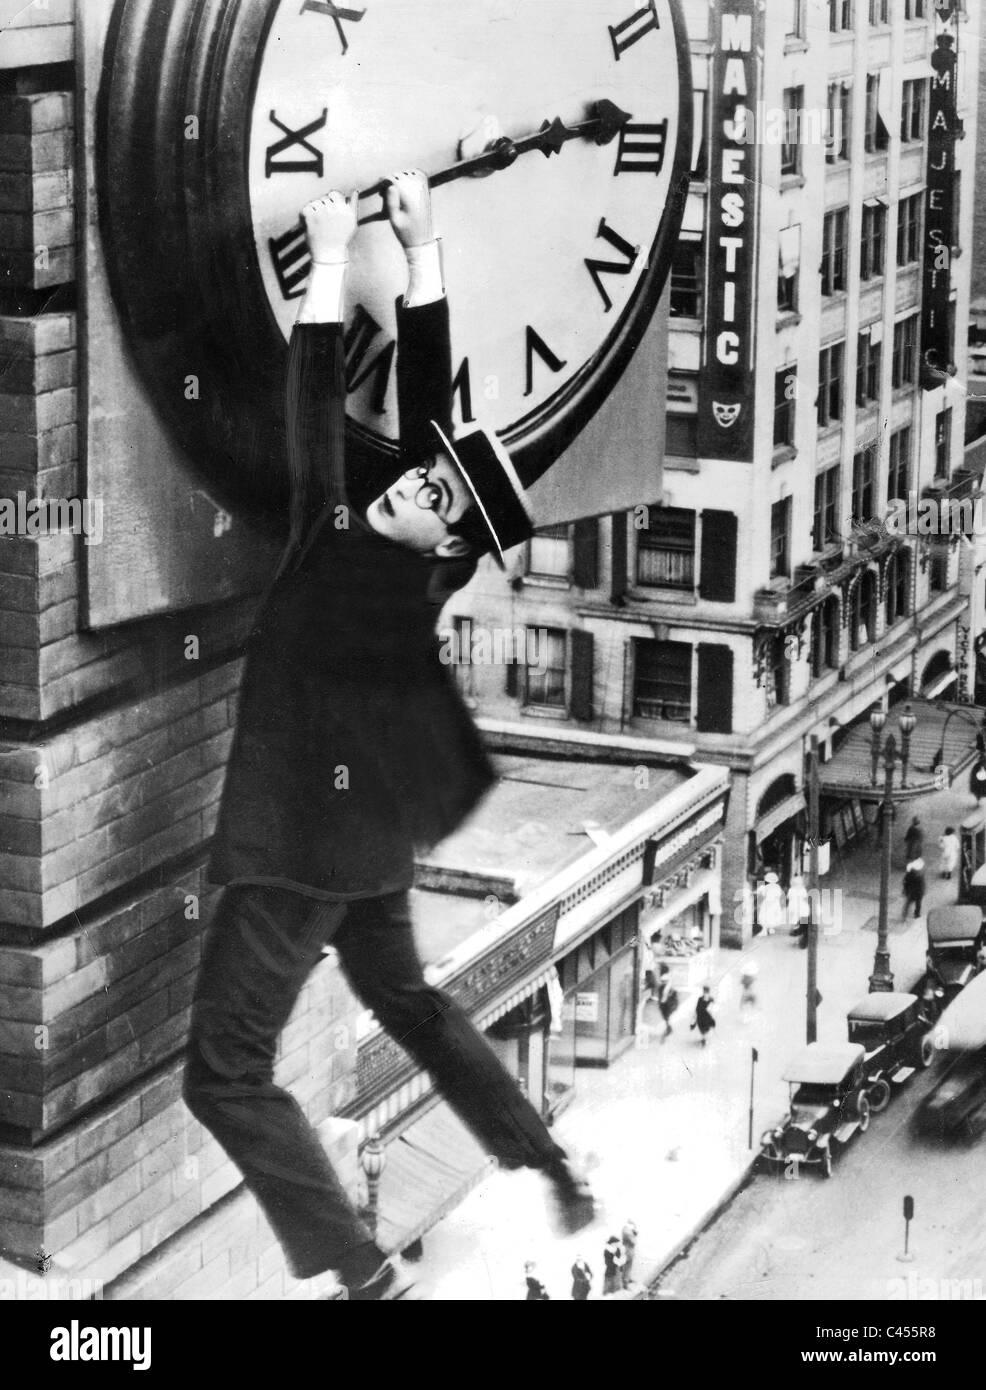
(896, 586)
(825, 636)
(862, 611)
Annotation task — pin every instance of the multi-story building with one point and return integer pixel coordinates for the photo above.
(815, 374)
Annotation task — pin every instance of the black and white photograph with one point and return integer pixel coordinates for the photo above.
(493, 665)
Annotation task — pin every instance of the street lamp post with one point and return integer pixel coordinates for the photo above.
(907, 721)
(878, 717)
(882, 980)
(372, 1160)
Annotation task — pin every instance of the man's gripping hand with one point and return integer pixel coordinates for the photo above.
(408, 202)
(331, 225)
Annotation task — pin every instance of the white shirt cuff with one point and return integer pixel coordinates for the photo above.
(426, 281)
(325, 299)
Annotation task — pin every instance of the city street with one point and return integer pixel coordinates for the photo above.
(840, 1238)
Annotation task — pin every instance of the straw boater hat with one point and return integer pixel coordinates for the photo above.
(486, 469)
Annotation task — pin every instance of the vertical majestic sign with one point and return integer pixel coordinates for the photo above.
(725, 407)
(944, 126)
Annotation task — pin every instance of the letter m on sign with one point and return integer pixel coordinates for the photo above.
(737, 33)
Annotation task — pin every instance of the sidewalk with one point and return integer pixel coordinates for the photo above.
(666, 1128)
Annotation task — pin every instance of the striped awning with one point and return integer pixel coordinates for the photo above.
(428, 1170)
(486, 1017)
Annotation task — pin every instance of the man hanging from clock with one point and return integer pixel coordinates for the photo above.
(353, 748)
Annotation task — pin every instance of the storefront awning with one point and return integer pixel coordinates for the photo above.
(777, 815)
(486, 1017)
(936, 739)
(428, 1171)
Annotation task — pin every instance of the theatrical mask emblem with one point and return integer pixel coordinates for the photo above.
(726, 415)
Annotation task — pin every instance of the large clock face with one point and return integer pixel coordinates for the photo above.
(226, 116)
(544, 260)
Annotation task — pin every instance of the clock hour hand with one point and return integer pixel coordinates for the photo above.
(602, 126)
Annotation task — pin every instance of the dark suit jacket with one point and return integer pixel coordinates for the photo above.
(353, 747)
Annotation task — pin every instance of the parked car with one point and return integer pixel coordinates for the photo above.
(893, 1030)
(954, 937)
(957, 1105)
(828, 1105)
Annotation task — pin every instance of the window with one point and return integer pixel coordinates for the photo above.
(794, 19)
(862, 485)
(681, 438)
(544, 654)
(788, 268)
(794, 100)
(912, 109)
(830, 361)
(840, 15)
(868, 362)
(938, 573)
(862, 610)
(662, 686)
(826, 529)
(879, 11)
(839, 106)
(549, 553)
(914, 9)
(825, 637)
(871, 246)
(899, 469)
(895, 587)
(780, 539)
(778, 672)
(876, 136)
(666, 549)
(909, 228)
(943, 442)
(905, 352)
(785, 396)
(834, 251)
(686, 280)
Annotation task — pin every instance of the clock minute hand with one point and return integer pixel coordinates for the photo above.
(602, 126)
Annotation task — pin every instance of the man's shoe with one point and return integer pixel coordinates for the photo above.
(390, 1283)
(574, 1204)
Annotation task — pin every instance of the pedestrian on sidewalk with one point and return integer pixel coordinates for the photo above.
(798, 907)
(703, 1019)
(949, 847)
(748, 987)
(629, 1235)
(614, 1258)
(977, 782)
(536, 1291)
(581, 1280)
(914, 840)
(914, 886)
(667, 999)
(771, 905)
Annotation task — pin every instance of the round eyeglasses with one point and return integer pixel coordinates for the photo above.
(429, 496)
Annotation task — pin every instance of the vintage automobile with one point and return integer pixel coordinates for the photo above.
(828, 1105)
(954, 937)
(957, 1105)
(893, 1030)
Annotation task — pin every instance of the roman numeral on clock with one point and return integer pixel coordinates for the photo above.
(311, 165)
(338, 13)
(597, 269)
(291, 261)
(358, 342)
(536, 344)
(641, 149)
(462, 388)
(631, 30)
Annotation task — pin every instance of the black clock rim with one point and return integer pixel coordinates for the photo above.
(177, 303)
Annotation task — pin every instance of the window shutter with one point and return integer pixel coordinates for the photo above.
(619, 559)
(718, 574)
(582, 671)
(715, 689)
(586, 567)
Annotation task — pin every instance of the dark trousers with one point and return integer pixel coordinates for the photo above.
(260, 949)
